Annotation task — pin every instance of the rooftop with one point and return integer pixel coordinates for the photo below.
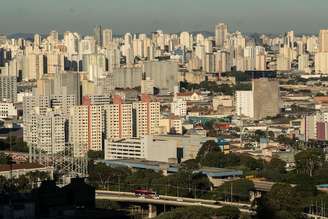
(6, 167)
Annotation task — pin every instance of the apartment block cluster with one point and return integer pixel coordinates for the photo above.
(122, 95)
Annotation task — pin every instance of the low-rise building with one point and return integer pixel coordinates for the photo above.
(147, 147)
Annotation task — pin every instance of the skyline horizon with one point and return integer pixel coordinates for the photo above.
(144, 16)
(116, 33)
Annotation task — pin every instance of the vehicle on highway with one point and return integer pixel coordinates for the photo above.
(144, 193)
(180, 199)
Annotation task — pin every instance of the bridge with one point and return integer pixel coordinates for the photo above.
(263, 186)
(167, 200)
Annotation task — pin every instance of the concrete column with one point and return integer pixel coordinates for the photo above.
(152, 211)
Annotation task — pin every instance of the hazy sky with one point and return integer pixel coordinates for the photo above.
(169, 15)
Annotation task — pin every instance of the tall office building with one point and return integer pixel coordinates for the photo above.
(221, 32)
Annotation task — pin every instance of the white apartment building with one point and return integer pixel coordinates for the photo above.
(179, 107)
(7, 110)
(244, 103)
(45, 132)
(32, 102)
(321, 63)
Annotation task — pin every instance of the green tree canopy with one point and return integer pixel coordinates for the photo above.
(283, 201)
(237, 190)
(309, 160)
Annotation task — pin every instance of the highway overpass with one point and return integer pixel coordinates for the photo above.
(167, 200)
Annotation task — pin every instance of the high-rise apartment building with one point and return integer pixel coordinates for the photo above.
(8, 88)
(85, 129)
(98, 35)
(221, 33)
(244, 103)
(164, 73)
(118, 119)
(323, 41)
(266, 97)
(31, 103)
(46, 132)
(107, 36)
(321, 63)
(260, 102)
(146, 116)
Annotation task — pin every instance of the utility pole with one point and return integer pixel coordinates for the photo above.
(119, 183)
(195, 192)
(231, 192)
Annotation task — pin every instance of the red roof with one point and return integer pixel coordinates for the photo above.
(185, 94)
(6, 167)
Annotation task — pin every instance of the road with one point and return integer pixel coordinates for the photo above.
(168, 200)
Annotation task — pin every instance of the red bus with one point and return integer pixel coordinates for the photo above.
(143, 193)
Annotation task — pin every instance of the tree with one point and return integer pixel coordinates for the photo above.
(309, 160)
(283, 201)
(225, 212)
(282, 139)
(271, 134)
(277, 164)
(228, 212)
(94, 155)
(188, 213)
(235, 190)
(191, 164)
(213, 159)
(260, 133)
(101, 175)
(251, 163)
(207, 147)
(201, 184)
(4, 158)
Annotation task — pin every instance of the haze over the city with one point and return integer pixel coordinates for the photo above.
(264, 16)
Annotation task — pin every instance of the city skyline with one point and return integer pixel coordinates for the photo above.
(170, 16)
